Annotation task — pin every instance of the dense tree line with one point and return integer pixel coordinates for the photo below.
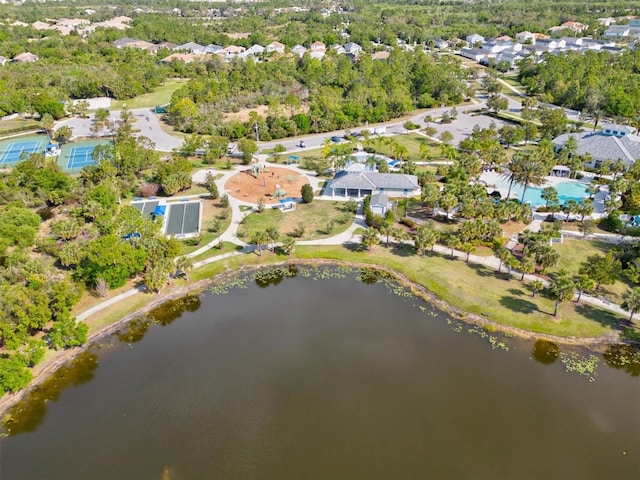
(309, 95)
(80, 239)
(594, 82)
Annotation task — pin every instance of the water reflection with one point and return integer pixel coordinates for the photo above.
(26, 415)
(545, 352)
(623, 357)
(274, 276)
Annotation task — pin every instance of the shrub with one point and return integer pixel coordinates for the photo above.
(224, 201)
(611, 223)
(148, 190)
(307, 193)
(299, 230)
(408, 222)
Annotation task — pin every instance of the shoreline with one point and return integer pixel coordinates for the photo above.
(64, 356)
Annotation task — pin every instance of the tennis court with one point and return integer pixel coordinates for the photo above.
(183, 218)
(11, 151)
(147, 208)
(80, 157)
(74, 157)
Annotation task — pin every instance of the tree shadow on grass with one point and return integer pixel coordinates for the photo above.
(604, 317)
(517, 292)
(519, 305)
(484, 271)
(402, 250)
(355, 247)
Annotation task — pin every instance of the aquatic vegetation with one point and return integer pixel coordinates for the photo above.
(582, 365)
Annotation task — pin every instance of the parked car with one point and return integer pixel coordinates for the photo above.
(301, 144)
(336, 139)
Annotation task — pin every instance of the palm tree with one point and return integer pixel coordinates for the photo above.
(584, 284)
(259, 239)
(632, 302)
(561, 288)
(468, 248)
(426, 237)
(527, 267)
(535, 287)
(184, 265)
(450, 239)
(370, 238)
(289, 245)
(273, 235)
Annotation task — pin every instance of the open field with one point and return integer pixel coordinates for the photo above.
(160, 96)
(574, 252)
(316, 218)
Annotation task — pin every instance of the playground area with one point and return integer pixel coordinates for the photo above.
(270, 184)
(12, 150)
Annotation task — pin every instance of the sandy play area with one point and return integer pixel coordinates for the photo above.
(244, 186)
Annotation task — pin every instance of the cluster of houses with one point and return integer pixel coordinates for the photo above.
(630, 30)
(506, 49)
(188, 52)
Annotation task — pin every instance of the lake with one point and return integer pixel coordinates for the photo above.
(325, 376)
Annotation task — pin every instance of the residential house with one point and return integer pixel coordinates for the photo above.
(275, 47)
(318, 46)
(142, 45)
(255, 50)
(230, 51)
(25, 57)
(611, 143)
(476, 54)
(361, 184)
(339, 49)
(298, 50)
(123, 42)
(572, 42)
(167, 45)
(510, 57)
(352, 48)
(191, 47)
(474, 39)
(606, 21)
(380, 55)
(575, 27)
(212, 48)
(440, 43)
(525, 37)
(617, 31)
(550, 43)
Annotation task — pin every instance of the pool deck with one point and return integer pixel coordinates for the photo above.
(497, 181)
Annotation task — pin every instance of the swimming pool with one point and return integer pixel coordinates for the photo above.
(566, 191)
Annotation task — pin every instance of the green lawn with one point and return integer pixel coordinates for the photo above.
(160, 96)
(482, 291)
(574, 252)
(412, 142)
(314, 216)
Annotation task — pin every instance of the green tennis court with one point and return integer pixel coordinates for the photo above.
(75, 156)
(12, 150)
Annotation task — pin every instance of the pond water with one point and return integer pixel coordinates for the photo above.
(317, 377)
